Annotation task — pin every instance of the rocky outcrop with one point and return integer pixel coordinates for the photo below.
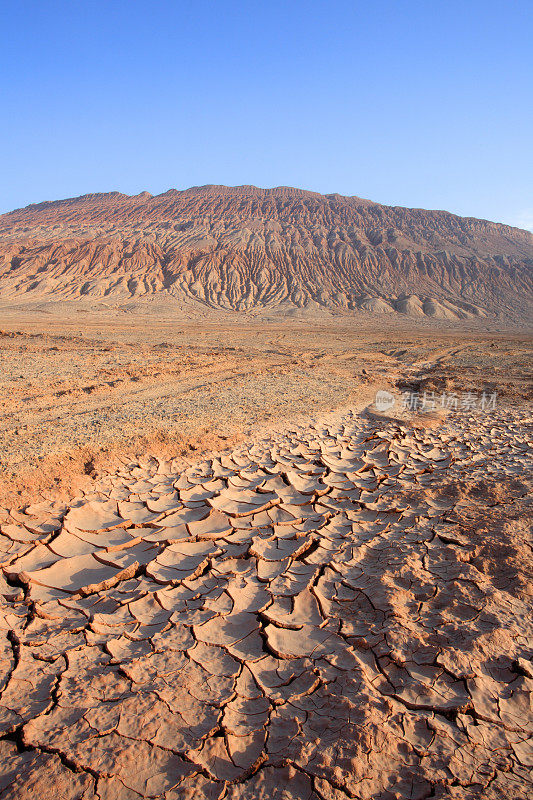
(244, 248)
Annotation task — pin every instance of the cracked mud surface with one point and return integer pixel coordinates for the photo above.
(342, 610)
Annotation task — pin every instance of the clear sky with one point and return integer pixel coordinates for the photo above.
(425, 104)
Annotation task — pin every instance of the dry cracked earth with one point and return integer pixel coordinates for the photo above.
(339, 610)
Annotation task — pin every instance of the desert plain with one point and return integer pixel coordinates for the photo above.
(228, 574)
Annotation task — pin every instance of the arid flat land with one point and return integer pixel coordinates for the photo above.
(229, 574)
(79, 389)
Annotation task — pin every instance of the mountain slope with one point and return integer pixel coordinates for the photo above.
(245, 248)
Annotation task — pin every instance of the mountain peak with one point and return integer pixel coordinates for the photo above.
(245, 248)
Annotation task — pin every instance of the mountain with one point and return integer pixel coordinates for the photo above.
(246, 249)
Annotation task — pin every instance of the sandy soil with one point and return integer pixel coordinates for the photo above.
(229, 572)
(78, 390)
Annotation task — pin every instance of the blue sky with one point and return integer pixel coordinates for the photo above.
(425, 104)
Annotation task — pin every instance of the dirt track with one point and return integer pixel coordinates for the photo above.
(77, 391)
